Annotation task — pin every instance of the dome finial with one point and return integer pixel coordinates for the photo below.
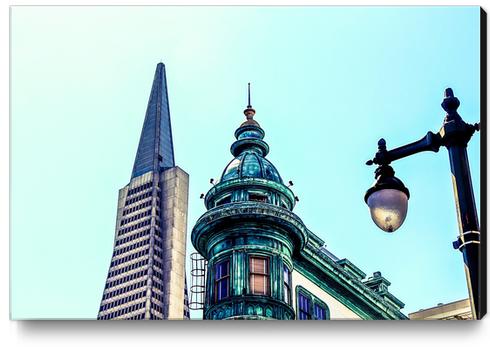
(249, 111)
(249, 104)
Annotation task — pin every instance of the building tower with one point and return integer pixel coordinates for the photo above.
(250, 231)
(146, 278)
(262, 261)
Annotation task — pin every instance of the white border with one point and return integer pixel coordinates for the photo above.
(93, 333)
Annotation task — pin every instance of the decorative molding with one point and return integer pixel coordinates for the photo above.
(243, 211)
(246, 183)
(346, 288)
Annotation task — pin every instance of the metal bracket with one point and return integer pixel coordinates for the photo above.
(472, 236)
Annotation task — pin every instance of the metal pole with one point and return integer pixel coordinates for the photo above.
(469, 230)
(455, 135)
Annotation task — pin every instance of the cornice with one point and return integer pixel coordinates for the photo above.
(344, 279)
(243, 211)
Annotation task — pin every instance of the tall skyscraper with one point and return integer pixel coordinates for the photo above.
(146, 278)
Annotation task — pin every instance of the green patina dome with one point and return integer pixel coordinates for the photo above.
(250, 151)
(249, 176)
(250, 164)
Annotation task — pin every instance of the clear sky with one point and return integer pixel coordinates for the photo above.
(327, 83)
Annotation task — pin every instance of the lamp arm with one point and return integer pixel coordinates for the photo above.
(430, 142)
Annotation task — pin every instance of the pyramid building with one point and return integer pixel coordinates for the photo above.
(146, 278)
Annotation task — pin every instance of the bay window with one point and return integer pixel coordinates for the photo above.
(259, 275)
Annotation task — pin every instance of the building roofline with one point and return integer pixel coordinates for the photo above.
(349, 281)
(454, 303)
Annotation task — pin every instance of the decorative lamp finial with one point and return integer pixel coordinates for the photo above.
(450, 103)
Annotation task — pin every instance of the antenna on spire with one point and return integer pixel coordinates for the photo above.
(249, 104)
(249, 111)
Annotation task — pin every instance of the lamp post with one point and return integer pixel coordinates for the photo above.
(388, 197)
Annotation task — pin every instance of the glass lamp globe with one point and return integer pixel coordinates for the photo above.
(388, 208)
(387, 199)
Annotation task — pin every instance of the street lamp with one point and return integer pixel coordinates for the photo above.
(388, 197)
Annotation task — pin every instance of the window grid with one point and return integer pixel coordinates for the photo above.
(123, 300)
(127, 278)
(130, 257)
(134, 191)
(127, 220)
(123, 311)
(132, 237)
(126, 230)
(131, 247)
(128, 268)
(137, 198)
(125, 289)
(136, 208)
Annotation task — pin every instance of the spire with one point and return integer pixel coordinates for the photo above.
(249, 104)
(249, 111)
(249, 134)
(155, 149)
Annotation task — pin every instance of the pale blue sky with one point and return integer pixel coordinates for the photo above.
(327, 83)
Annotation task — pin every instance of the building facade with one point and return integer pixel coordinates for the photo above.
(456, 310)
(262, 261)
(146, 278)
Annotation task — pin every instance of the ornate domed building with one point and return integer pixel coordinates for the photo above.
(262, 261)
